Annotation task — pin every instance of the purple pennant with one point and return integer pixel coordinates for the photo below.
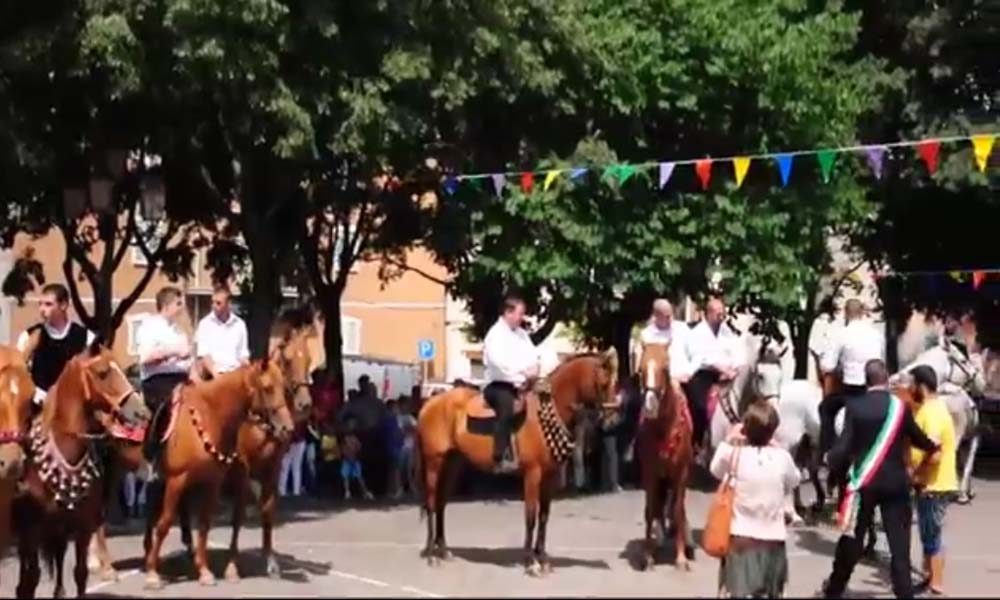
(666, 170)
(499, 181)
(577, 173)
(875, 154)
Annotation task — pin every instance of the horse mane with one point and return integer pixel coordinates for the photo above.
(50, 405)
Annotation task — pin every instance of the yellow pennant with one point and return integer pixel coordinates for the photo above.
(741, 164)
(550, 177)
(982, 145)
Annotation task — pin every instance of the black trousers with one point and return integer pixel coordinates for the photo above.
(501, 396)
(156, 393)
(828, 409)
(897, 516)
(697, 393)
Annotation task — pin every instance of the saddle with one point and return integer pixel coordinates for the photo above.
(481, 419)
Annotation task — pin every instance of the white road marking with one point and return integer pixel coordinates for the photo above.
(354, 577)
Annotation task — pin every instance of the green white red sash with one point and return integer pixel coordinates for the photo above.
(862, 472)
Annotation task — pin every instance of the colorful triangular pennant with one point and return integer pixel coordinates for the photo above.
(826, 159)
(666, 170)
(577, 173)
(929, 151)
(982, 145)
(784, 167)
(499, 181)
(977, 279)
(451, 185)
(527, 182)
(703, 168)
(876, 156)
(625, 172)
(550, 177)
(741, 164)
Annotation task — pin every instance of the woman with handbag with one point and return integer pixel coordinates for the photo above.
(756, 475)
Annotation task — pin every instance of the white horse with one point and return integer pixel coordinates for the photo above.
(960, 376)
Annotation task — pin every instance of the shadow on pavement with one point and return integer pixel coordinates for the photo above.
(634, 552)
(514, 557)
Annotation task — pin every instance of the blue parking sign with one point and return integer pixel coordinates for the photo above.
(425, 349)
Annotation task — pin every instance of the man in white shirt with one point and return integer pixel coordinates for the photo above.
(511, 359)
(164, 360)
(715, 355)
(849, 350)
(53, 342)
(663, 329)
(221, 337)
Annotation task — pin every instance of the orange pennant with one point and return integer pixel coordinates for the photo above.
(703, 168)
(977, 279)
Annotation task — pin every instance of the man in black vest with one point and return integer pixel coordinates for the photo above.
(50, 344)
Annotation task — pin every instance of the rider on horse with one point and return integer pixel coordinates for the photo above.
(716, 355)
(511, 359)
(664, 330)
(850, 349)
(53, 342)
(221, 338)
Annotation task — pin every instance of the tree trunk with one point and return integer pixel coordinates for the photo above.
(333, 340)
(623, 345)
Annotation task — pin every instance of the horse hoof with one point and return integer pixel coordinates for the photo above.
(153, 582)
(796, 520)
(109, 574)
(433, 561)
(683, 565)
(964, 499)
(232, 573)
(546, 567)
(648, 564)
(273, 570)
(206, 578)
(534, 570)
(446, 555)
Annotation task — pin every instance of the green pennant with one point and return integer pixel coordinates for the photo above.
(826, 158)
(611, 171)
(626, 171)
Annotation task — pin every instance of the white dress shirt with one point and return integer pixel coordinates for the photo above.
(224, 343)
(706, 348)
(156, 333)
(675, 336)
(850, 348)
(507, 353)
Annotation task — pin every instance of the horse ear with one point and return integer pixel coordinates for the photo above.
(610, 360)
(95, 346)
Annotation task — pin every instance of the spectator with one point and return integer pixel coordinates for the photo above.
(610, 428)
(935, 476)
(135, 495)
(350, 462)
(408, 427)
(392, 436)
(291, 462)
(762, 474)
(326, 396)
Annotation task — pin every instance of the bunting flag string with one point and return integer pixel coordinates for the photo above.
(928, 150)
(977, 276)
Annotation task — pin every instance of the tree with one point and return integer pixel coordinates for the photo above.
(74, 111)
(709, 78)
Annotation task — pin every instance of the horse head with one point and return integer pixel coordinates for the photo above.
(768, 374)
(965, 370)
(106, 391)
(654, 362)
(16, 392)
(267, 388)
(590, 379)
(291, 353)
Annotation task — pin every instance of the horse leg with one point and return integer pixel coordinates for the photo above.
(432, 471)
(207, 508)
(965, 493)
(813, 468)
(652, 489)
(532, 485)
(57, 550)
(172, 491)
(446, 483)
(184, 513)
(80, 570)
(268, 508)
(240, 498)
(101, 555)
(679, 521)
(27, 549)
(544, 504)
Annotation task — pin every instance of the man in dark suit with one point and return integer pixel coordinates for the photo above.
(887, 485)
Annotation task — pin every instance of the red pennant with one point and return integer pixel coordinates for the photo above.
(928, 150)
(527, 182)
(977, 279)
(703, 168)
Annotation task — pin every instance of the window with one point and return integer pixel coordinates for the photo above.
(350, 333)
(134, 324)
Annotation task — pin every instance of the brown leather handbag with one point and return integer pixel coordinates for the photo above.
(715, 538)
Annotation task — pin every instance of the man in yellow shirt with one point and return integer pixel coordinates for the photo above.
(935, 476)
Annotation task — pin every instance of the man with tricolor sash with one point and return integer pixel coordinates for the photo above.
(872, 450)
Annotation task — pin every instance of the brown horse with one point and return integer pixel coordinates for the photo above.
(201, 450)
(62, 482)
(261, 449)
(664, 444)
(16, 391)
(458, 421)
